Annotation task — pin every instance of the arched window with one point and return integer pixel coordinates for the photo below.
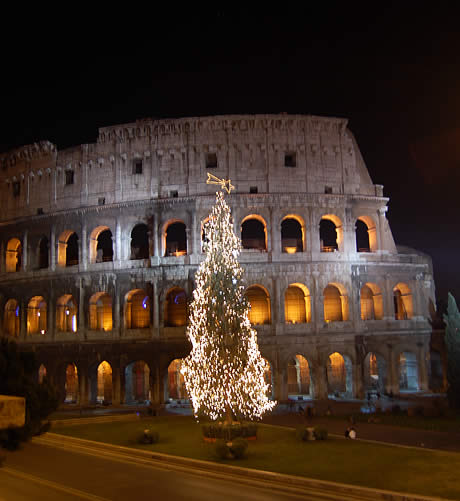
(408, 372)
(175, 308)
(374, 372)
(140, 242)
(259, 300)
(299, 376)
(339, 375)
(254, 233)
(71, 258)
(137, 382)
(366, 235)
(43, 253)
(66, 314)
(335, 304)
(371, 302)
(101, 245)
(176, 384)
(36, 316)
(402, 302)
(41, 373)
(13, 255)
(137, 310)
(71, 384)
(330, 233)
(292, 235)
(100, 312)
(176, 239)
(11, 318)
(297, 304)
(104, 383)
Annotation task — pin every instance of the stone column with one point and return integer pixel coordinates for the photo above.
(53, 248)
(381, 233)
(118, 255)
(2, 257)
(320, 381)
(83, 386)
(81, 305)
(317, 309)
(275, 234)
(155, 236)
(280, 383)
(116, 312)
(51, 315)
(393, 373)
(25, 253)
(195, 233)
(422, 368)
(156, 309)
(388, 302)
(84, 247)
(189, 236)
(22, 320)
(116, 386)
(358, 378)
(278, 303)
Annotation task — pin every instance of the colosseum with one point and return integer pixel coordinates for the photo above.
(100, 243)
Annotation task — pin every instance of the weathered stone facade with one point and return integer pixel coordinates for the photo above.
(301, 169)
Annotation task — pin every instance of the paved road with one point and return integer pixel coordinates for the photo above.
(40, 472)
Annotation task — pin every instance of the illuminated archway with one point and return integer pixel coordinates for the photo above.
(330, 233)
(100, 245)
(259, 300)
(339, 375)
(37, 316)
(68, 248)
(175, 239)
(403, 306)
(41, 373)
(66, 314)
(292, 234)
(371, 302)
(140, 242)
(297, 304)
(375, 373)
(408, 371)
(13, 260)
(175, 309)
(299, 378)
(335, 303)
(137, 382)
(11, 318)
(366, 234)
(71, 384)
(43, 253)
(104, 383)
(176, 384)
(137, 310)
(254, 233)
(100, 312)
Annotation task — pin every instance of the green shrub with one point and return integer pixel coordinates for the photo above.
(221, 449)
(301, 434)
(320, 433)
(238, 448)
(229, 432)
(148, 437)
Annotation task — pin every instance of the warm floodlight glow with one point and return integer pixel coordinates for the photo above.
(291, 250)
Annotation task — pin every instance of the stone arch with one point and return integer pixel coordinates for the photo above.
(375, 373)
(339, 375)
(175, 308)
(175, 238)
(100, 312)
(175, 388)
(66, 314)
(297, 304)
(100, 245)
(137, 382)
(259, 299)
(137, 309)
(366, 234)
(335, 303)
(71, 384)
(41, 373)
(330, 233)
(371, 302)
(292, 234)
(408, 371)
(13, 258)
(104, 383)
(299, 378)
(403, 305)
(11, 318)
(43, 253)
(254, 233)
(37, 315)
(68, 254)
(140, 247)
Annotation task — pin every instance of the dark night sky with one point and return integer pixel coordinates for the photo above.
(393, 71)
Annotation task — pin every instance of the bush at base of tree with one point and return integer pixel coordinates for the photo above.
(18, 377)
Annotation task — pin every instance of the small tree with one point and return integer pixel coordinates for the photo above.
(452, 339)
(224, 373)
(18, 372)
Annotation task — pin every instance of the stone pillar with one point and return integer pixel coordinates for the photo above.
(116, 386)
(22, 320)
(393, 373)
(280, 383)
(81, 306)
(278, 303)
(317, 303)
(2, 257)
(156, 308)
(388, 301)
(53, 248)
(116, 312)
(358, 378)
(25, 253)
(319, 381)
(275, 234)
(422, 368)
(189, 237)
(84, 247)
(381, 233)
(51, 315)
(83, 386)
(118, 255)
(155, 236)
(195, 234)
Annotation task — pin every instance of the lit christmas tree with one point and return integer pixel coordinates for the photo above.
(224, 373)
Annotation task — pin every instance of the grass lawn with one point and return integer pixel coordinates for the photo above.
(444, 424)
(276, 449)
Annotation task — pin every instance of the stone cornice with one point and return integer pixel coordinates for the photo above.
(27, 153)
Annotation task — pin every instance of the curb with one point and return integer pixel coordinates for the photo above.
(94, 419)
(277, 479)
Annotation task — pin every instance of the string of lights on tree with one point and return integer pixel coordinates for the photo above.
(224, 373)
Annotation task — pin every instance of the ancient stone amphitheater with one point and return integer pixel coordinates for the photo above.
(99, 245)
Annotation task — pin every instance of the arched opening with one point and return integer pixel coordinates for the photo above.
(268, 378)
(335, 304)
(140, 242)
(339, 376)
(254, 233)
(299, 379)
(330, 233)
(408, 371)
(175, 312)
(41, 373)
(104, 383)
(176, 384)
(204, 237)
(259, 300)
(11, 318)
(13, 255)
(43, 253)
(137, 310)
(101, 245)
(436, 371)
(366, 235)
(371, 302)
(100, 312)
(402, 297)
(292, 235)
(71, 384)
(176, 239)
(36, 316)
(71, 257)
(297, 304)
(66, 314)
(374, 373)
(137, 383)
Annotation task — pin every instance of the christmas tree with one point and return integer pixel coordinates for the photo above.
(224, 373)
(452, 339)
